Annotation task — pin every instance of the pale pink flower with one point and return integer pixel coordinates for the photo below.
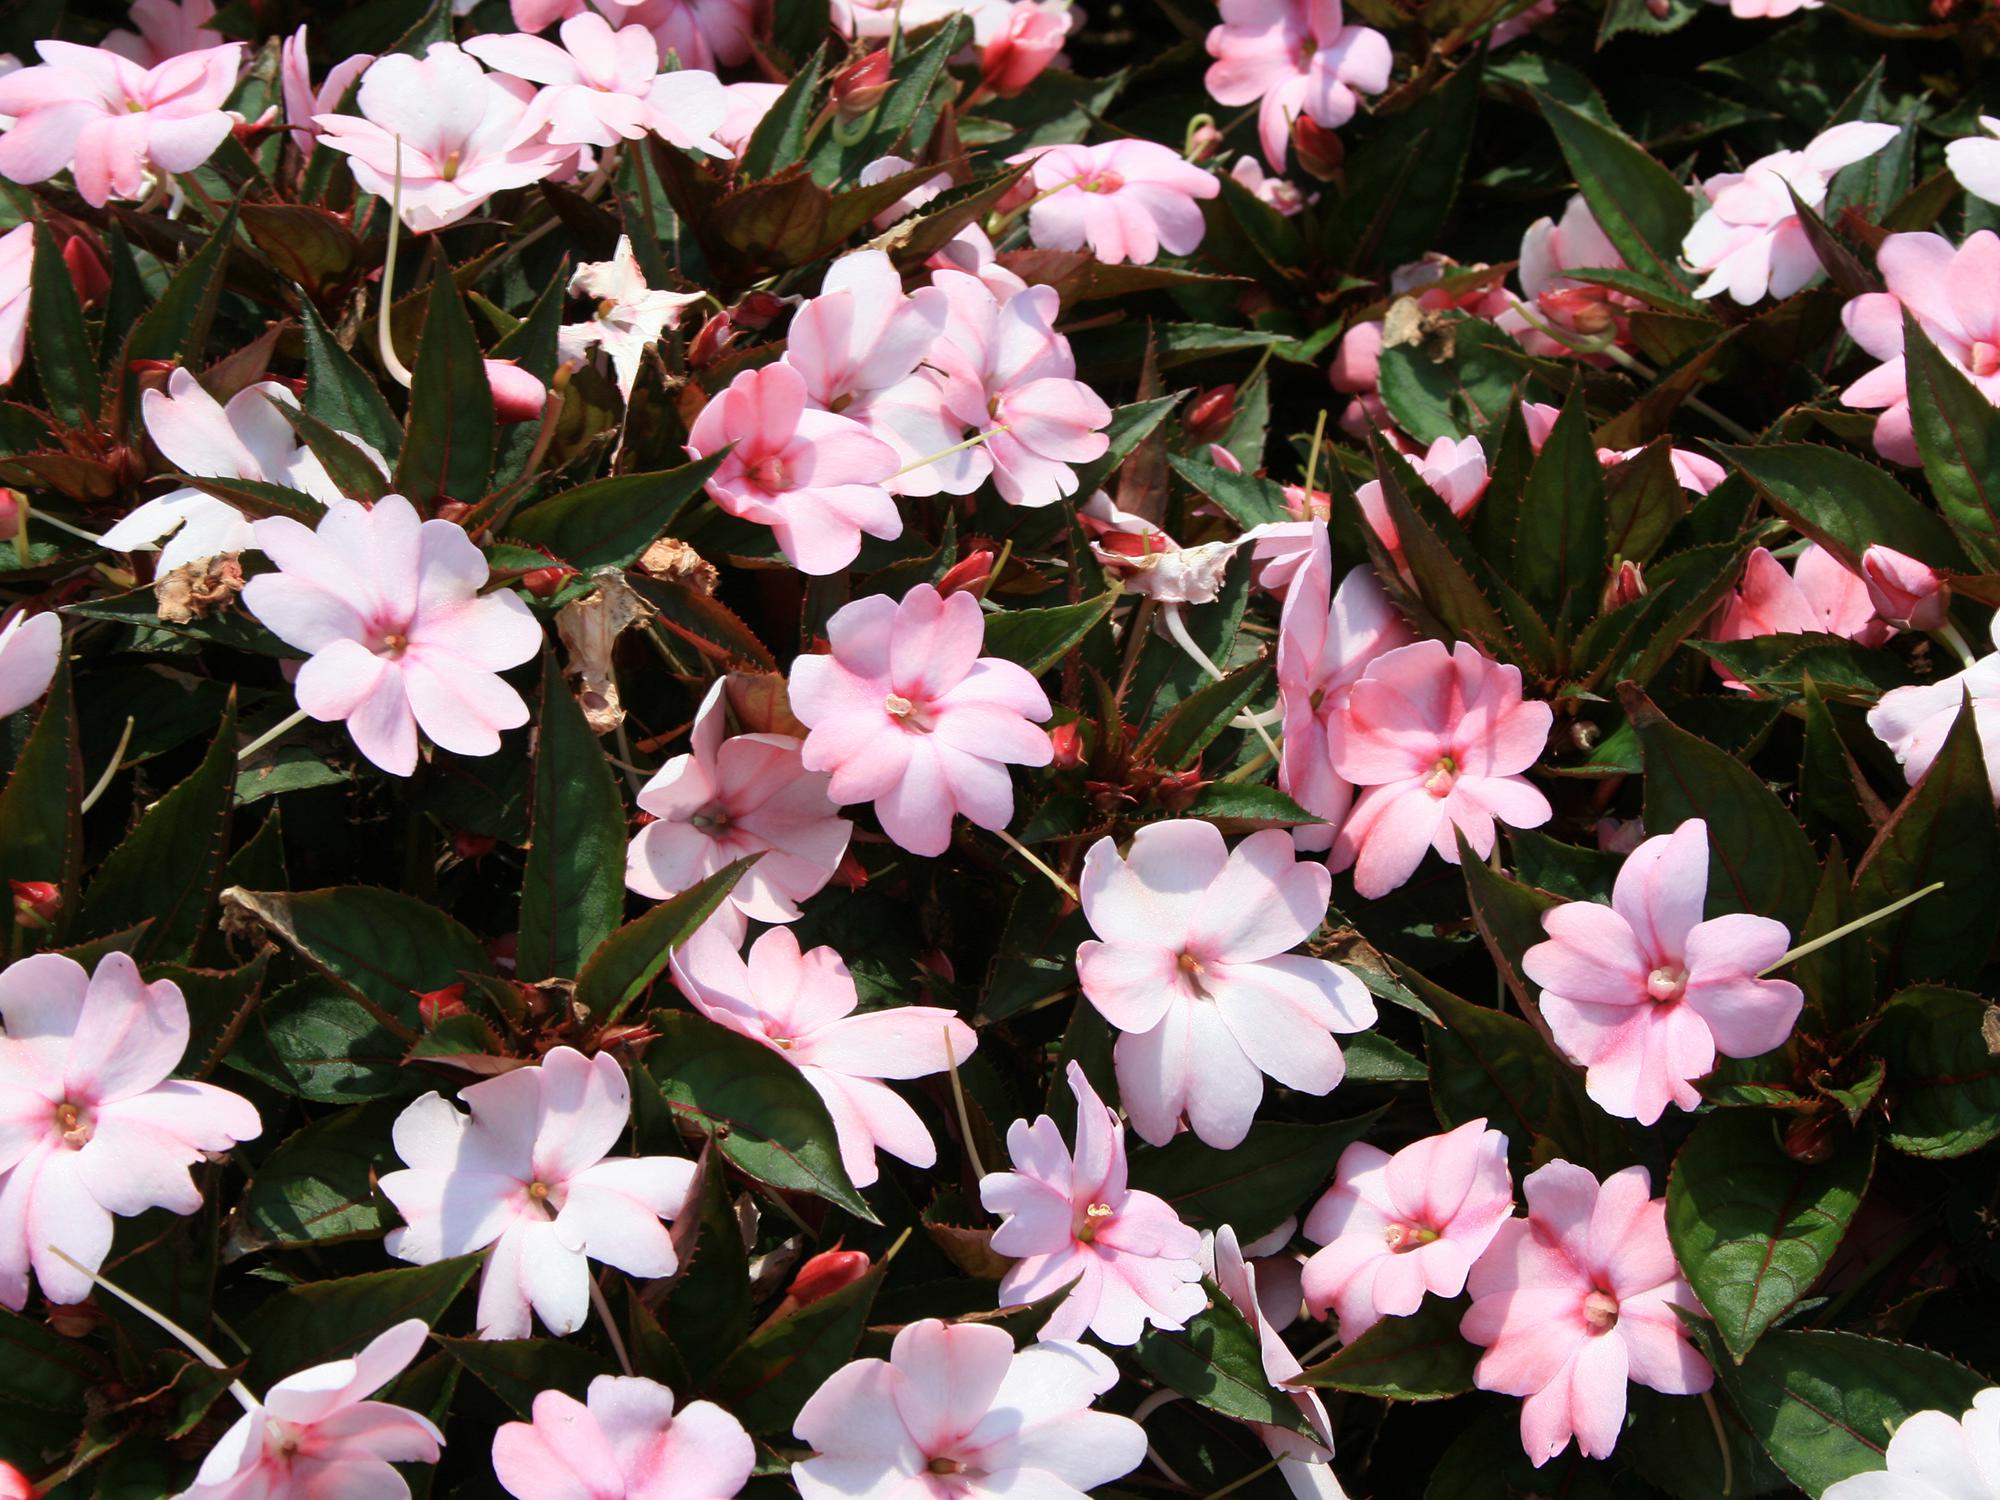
(1326, 640)
(303, 103)
(1071, 1221)
(1694, 471)
(1395, 1227)
(1907, 593)
(706, 34)
(1767, 10)
(1576, 1300)
(1454, 468)
(873, 19)
(955, 1413)
(1029, 40)
(92, 1124)
(627, 316)
(1298, 57)
(1915, 721)
(730, 796)
(30, 648)
(1935, 1456)
(625, 1439)
(1438, 739)
(816, 479)
(748, 104)
(1817, 596)
(528, 1172)
(907, 714)
(1003, 366)
(1750, 239)
(1191, 962)
(454, 129)
(1301, 1460)
(1950, 294)
(316, 1435)
(1126, 200)
(1356, 367)
(115, 125)
(164, 29)
(801, 1005)
(881, 170)
(601, 87)
(400, 637)
(248, 438)
(1274, 192)
(1643, 993)
(17, 269)
(1975, 161)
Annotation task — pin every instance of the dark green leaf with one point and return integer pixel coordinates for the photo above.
(176, 326)
(1251, 1186)
(447, 451)
(1458, 395)
(518, 1370)
(1643, 210)
(1419, 1358)
(41, 832)
(1039, 639)
(340, 393)
(318, 1321)
(319, 1185)
(626, 963)
(1130, 426)
(609, 522)
(573, 883)
(315, 1040)
(1192, 724)
(780, 137)
(1559, 547)
(64, 360)
(1958, 435)
(1247, 499)
(1943, 1073)
(1847, 504)
(1218, 1361)
(771, 1374)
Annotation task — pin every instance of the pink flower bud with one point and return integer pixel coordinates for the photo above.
(13, 509)
(1587, 309)
(1627, 584)
(859, 87)
(1223, 459)
(471, 845)
(711, 340)
(825, 1274)
(1319, 151)
(517, 395)
(1904, 591)
(1203, 142)
(1067, 742)
(1024, 46)
(1356, 367)
(36, 904)
(1210, 414)
(440, 1004)
(968, 575)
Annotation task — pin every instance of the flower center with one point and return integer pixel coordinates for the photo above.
(1095, 1218)
(449, 171)
(1600, 1312)
(770, 474)
(538, 1194)
(1985, 358)
(908, 712)
(1402, 1238)
(1101, 182)
(943, 1465)
(1443, 777)
(393, 643)
(1667, 984)
(75, 1126)
(712, 820)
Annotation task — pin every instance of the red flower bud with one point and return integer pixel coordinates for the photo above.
(470, 845)
(36, 904)
(452, 510)
(758, 310)
(1209, 415)
(859, 87)
(546, 583)
(502, 951)
(86, 270)
(438, 1004)
(13, 510)
(1810, 1139)
(517, 395)
(825, 1274)
(1587, 309)
(968, 575)
(1318, 149)
(1067, 742)
(1022, 48)
(850, 873)
(1627, 584)
(712, 339)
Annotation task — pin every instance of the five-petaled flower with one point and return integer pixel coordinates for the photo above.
(624, 1439)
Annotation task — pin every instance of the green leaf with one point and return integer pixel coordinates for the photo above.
(1192, 724)
(754, 1105)
(573, 882)
(1643, 210)
(41, 1368)
(1252, 1186)
(1753, 1228)
(1130, 426)
(1247, 499)
(315, 1040)
(626, 963)
(711, 1303)
(340, 393)
(319, 1185)
(1560, 533)
(176, 326)
(447, 451)
(319, 1321)
(780, 137)
(1401, 186)
(1218, 1361)
(1945, 830)
(346, 465)
(1847, 504)
(1958, 435)
(1240, 807)
(1838, 979)
(1456, 396)
(774, 1371)
(1943, 1074)
(1779, 665)
(1419, 1358)
(1039, 639)
(609, 522)
(65, 363)
(168, 869)
(518, 1370)
(41, 831)
(1508, 915)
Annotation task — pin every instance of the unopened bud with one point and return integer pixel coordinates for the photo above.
(1904, 591)
(1177, 792)
(825, 1274)
(757, 310)
(471, 845)
(1810, 1139)
(439, 1004)
(73, 1320)
(969, 575)
(850, 873)
(86, 270)
(13, 513)
(1066, 740)
(1318, 150)
(1627, 584)
(1586, 309)
(518, 396)
(546, 583)
(1210, 414)
(1224, 460)
(37, 903)
(1203, 142)
(859, 87)
(502, 951)
(711, 340)
(454, 511)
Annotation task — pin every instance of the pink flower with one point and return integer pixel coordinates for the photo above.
(1298, 1456)
(17, 267)
(748, 104)
(1298, 57)
(801, 1006)
(454, 128)
(601, 87)
(166, 28)
(115, 125)
(1126, 199)
(1276, 192)
(704, 34)
(733, 795)
(400, 637)
(908, 715)
(1073, 1222)
(1357, 363)
(1575, 1300)
(1935, 1456)
(1549, 251)
(1438, 739)
(92, 1125)
(1030, 39)
(1643, 993)
(30, 648)
(1190, 962)
(1907, 593)
(1326, 640)
(1395, 1227)
(955, 1413)
(1950, 294)
(1817, 596)
(1454, 468)
(881, 170)
(1694, 471)
(1975, 161)
(1915, 721)
(625, 1439)
(1750, 239)
(302, 102)
(814, 478)
(315, 1434)
(1002, 364)
(1767, 10)
(527, 1172)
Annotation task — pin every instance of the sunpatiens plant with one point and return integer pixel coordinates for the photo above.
(999, 749)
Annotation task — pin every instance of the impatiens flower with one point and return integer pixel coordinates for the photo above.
(164, 29)
(17, 267)
(1395, 1227)
(1455, 468)
(1576, 1300)
(1817, 596)
(1005, 370)
(1298, 1456)
(303, 103)
(1439, 740)
(92, 1125)
(528, 1173)
(734, 795)
(315, 1434)
(801, 1006)
(451, 130)
(1298, 57)
(1750, 239)
(1125, 200)
(1907, 593)
(248, 438)
(1029, 40)
(955, 1413)
(1071, 1221)
(1975, 161)
(1950, 294)
(1148, 561)
(628, 316)
(881, 170)
(704, 34)
(400, 637)
(1276, 192)
(816, 479)
(623, 1440)
(907, 714)
(30, 647)
(1326, 639)
(748, 104)
(1643, 993)
(1550, 250)
(113, 123)
(1767, 10)
(1934, 1456)
(1915, 721)
(1191, 963)
(601, 87)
